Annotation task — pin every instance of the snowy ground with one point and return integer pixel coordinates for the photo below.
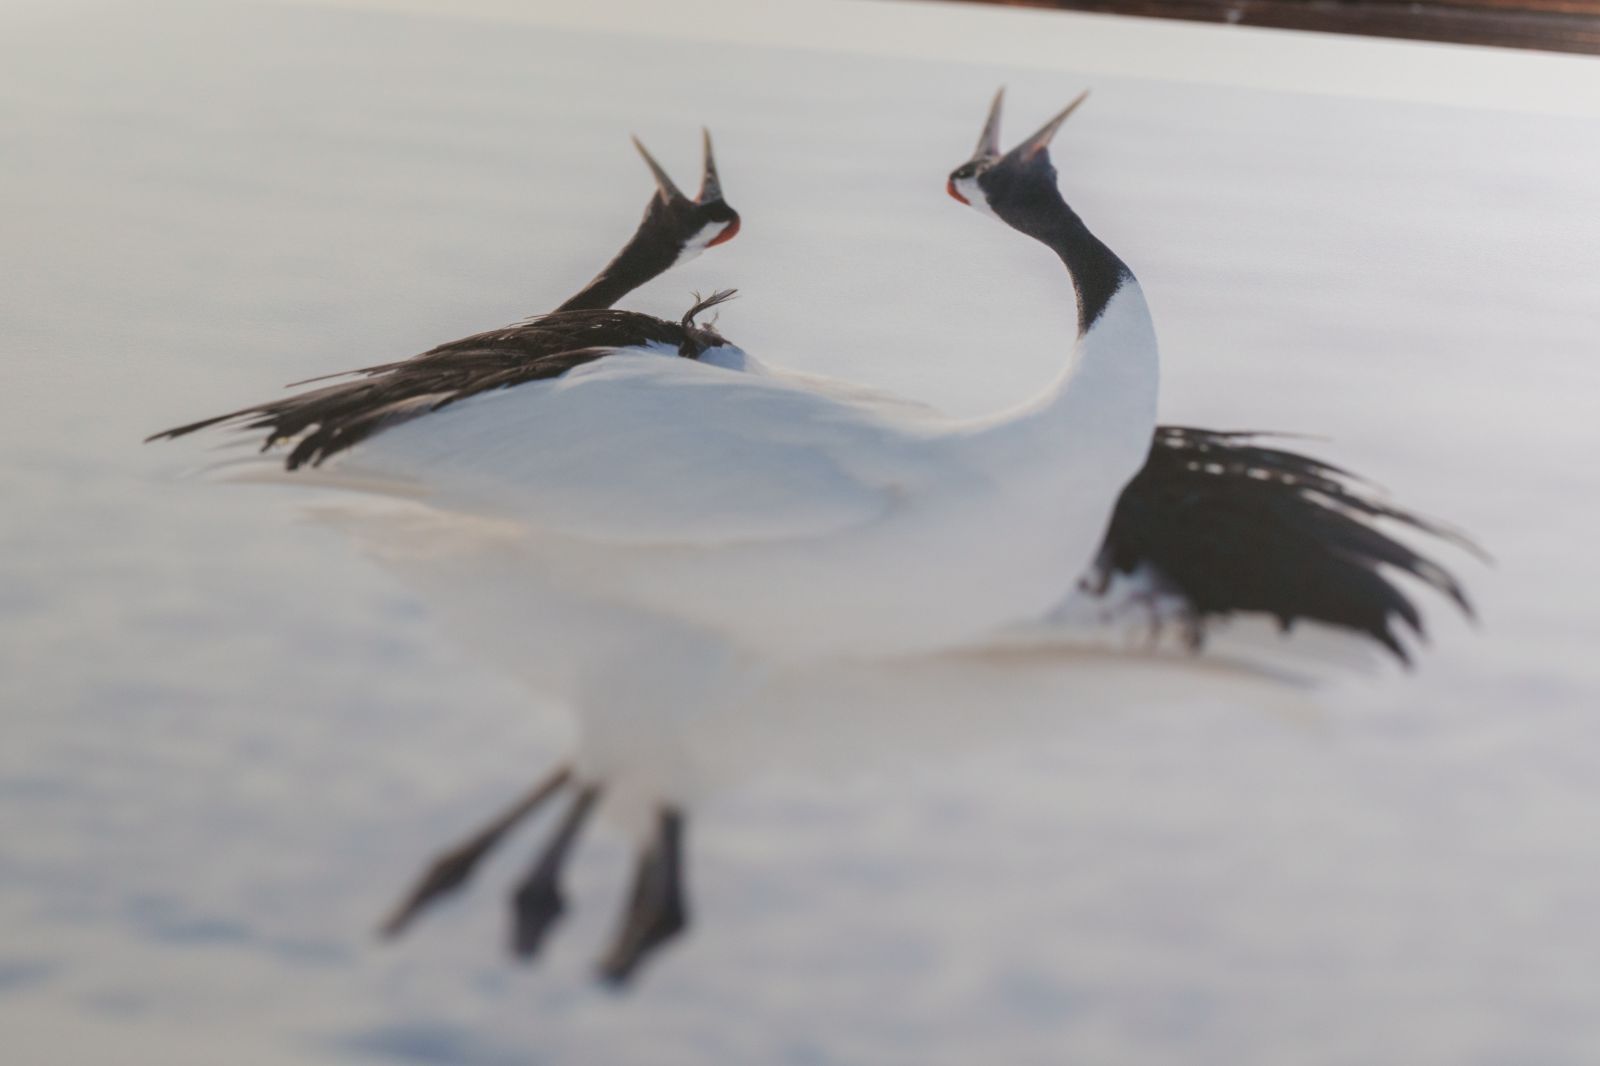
(228, 739)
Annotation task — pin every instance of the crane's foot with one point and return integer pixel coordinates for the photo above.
(656, 911)
(538, 903)
(453, 867)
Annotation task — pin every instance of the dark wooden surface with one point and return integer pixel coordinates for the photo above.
(1550, 25)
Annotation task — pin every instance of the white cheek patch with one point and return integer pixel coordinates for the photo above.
(700, 241)
(969, 188)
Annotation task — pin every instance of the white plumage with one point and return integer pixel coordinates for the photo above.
(785, 516)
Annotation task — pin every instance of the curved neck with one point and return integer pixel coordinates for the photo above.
(1096, 271)
(1097, 274)
(646, 255)
(1102, 404)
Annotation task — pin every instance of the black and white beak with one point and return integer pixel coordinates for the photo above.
(721, 222)
(710, 183)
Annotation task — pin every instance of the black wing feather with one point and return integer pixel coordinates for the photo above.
(333, 418)
(1232, 526)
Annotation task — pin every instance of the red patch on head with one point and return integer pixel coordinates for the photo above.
(950, 187)
(727, 234)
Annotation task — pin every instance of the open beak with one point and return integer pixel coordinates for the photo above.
(710, 184)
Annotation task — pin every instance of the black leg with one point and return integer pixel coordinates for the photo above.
(538, 902)
(451, 869)
(656, 911)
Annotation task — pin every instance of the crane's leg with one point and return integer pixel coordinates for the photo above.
(537, 901)
(451, 869)
(656, 911)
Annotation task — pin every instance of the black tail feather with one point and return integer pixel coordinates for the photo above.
(1232, 526)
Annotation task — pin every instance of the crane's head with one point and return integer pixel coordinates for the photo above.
(1008, 185)
(690, 226)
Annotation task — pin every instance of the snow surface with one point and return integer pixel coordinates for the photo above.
(229, 739)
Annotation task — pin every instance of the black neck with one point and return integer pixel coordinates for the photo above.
(1096, 271)
(644, 257)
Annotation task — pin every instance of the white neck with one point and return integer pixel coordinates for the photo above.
(1098, 415)
(1059, 462)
